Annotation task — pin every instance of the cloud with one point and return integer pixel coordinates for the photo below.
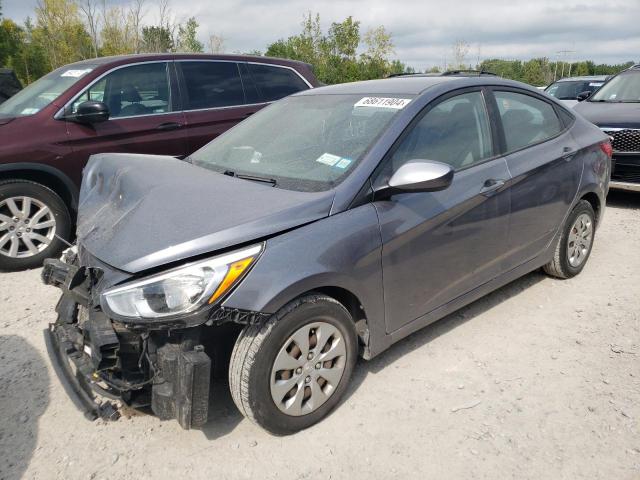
(424, 30)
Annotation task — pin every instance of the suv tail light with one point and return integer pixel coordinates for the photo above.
(607, 148)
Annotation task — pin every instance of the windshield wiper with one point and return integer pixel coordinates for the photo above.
(252, 178)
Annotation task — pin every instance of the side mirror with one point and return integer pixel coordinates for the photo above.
(91, 112)
(583, 95)
(421, 176)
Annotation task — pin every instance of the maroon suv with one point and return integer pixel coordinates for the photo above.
(152, 104)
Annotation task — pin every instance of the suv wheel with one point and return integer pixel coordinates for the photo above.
(32, 216)
(287, 373)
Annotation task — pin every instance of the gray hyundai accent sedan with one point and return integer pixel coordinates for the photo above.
(325, 227)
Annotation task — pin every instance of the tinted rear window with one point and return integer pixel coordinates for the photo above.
(276, 82)
(212, 84)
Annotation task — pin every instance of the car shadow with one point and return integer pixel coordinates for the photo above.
(24, 396)
(440, 327)
(623, 199)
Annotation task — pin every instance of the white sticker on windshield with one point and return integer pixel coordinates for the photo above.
(596, 84)
(75, 73)
(328, 159)
(383, 102)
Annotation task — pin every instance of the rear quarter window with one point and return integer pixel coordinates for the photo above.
(274, 83)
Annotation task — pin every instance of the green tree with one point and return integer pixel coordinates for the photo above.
(61, 32)
(156, 39)
(334, 54)
(187, 37)
(117, 34)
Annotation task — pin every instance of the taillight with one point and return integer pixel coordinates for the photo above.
(607, 148)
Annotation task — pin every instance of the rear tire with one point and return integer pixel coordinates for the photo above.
(575, 244)
(27, 235)
(258, 352)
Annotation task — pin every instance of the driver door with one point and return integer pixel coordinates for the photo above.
(144, 115)
(440, 245)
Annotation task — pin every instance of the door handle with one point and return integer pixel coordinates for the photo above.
(568, 153)
(169, 126)
(491, 186)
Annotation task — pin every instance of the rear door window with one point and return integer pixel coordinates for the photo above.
(526, 120)
(211, 85)
(274, 82)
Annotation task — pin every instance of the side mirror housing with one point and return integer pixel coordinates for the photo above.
(420, 176)
(583, 95)
(91, 112)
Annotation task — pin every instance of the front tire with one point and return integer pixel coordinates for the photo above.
(575, 244)
(32, 217)
(289, 372)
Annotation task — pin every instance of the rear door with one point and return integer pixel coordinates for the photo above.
(143, 114)
(213, 98)
(541, 156)
(440, 245)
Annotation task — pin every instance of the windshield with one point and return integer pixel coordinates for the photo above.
(306, 143)
(42, 92)
(570, 90)
(623, 88)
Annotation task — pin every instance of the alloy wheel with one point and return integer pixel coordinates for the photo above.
(580, 239)
(308, 368)
(27, 227)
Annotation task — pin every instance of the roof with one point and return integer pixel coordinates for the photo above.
(597, 78)
(410, 85)
(140, 57)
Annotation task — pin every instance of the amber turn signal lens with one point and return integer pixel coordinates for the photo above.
(236, 269)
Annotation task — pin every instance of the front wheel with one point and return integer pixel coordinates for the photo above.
(32, 218)
(574, 246)
(289, 372)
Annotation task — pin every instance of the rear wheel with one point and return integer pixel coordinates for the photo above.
(31, 218)
(289, 372)
(574, 247)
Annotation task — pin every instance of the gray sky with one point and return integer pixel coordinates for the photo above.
(606, 31)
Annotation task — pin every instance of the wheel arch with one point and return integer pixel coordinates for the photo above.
(595, 202)
(46, 175)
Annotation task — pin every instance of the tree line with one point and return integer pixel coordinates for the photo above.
(65, 31)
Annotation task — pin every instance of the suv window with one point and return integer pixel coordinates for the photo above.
(211, 85)
(571, 90)
(526, 120)
(456, 131)
(276, 82)
(131, 91)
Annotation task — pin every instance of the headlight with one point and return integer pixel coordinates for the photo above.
(181, 290)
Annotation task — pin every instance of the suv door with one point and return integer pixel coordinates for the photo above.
(213, 99)
(540, 153)
(440, 245)
(143, 114)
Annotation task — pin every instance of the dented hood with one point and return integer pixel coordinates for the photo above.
(141, 211)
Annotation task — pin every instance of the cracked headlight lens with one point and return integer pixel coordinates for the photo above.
(183, 289)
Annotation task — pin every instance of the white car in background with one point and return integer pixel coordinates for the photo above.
(567, 90)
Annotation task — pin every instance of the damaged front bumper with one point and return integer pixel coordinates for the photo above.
(103, 363)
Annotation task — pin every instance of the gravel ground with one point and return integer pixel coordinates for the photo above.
(540, 379)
